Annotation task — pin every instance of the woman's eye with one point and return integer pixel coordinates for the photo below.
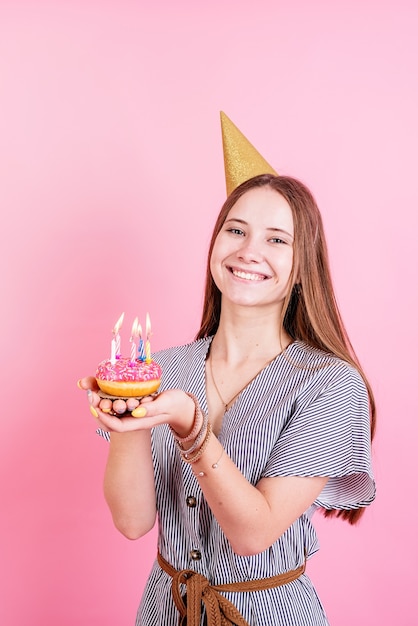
(235, 231)
(277, 240)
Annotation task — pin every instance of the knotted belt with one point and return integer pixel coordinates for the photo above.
(219, 610)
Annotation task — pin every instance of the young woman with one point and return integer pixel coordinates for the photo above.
(261, 420)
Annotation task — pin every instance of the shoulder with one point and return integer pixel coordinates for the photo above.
(183, 366)
(195, 349)
(328, 370)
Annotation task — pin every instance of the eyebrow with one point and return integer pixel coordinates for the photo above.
(271, 228)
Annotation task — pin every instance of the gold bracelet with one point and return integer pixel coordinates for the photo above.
(214, 466)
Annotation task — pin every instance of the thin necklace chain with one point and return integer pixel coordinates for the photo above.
(217, 390)
(228, 404)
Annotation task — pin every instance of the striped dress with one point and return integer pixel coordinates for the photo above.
(305, 414)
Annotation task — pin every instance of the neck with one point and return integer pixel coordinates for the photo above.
(242, 336)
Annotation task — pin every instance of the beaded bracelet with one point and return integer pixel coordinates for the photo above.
(195, 427)
(192, 459)
(199, 438)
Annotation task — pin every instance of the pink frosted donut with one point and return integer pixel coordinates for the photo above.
(126, 378)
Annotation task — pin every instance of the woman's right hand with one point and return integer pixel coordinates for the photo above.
(112, 408)
(172, 407)
(117, 407)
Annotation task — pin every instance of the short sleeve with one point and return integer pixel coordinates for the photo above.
(328, 434)
(103, 433)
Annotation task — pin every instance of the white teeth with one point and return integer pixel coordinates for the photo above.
(247, 275)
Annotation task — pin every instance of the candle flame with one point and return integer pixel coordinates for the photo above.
(148, 326)
(139, 329)
(134, 331)
(118, 324)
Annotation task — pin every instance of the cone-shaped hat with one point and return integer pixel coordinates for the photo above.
(242, 161)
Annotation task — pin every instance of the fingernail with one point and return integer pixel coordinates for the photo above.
(105, 405)
(79, 384)
(93, 411)
(141, 411)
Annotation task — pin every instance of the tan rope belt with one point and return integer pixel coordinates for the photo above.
(219, 610)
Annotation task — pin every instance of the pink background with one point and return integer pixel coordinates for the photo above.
(111, 177)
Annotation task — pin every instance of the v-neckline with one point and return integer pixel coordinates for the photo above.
(238, 397)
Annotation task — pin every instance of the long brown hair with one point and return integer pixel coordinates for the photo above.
(310, 311)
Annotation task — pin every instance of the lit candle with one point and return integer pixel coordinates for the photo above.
(115, 352)
(147, 343)
(134, 335)
(141, 353)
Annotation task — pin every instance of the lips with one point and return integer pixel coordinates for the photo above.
(248, 275)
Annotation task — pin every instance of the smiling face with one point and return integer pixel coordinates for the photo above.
(252, 257)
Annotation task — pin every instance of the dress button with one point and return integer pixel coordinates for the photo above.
(191, 501)
(195, 555)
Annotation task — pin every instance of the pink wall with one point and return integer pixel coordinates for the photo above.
(111, 176)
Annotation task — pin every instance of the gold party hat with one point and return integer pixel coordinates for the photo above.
(242, 161)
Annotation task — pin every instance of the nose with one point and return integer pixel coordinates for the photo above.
(249, 252)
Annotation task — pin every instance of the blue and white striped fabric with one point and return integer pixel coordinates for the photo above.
(305, 414)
